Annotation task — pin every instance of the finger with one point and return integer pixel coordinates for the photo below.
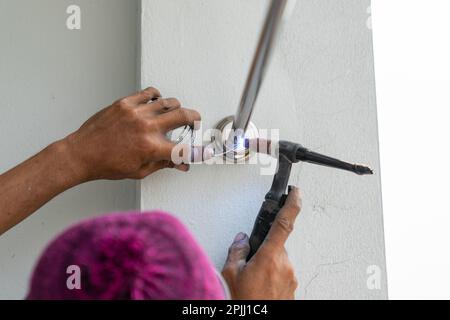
(238, 252)
(160, 106)
(166, 151)
(199, 154)
(183, 167)
(152, 167)
(178, 118)
(186, 154)
(259, 145)
(283, 225)
(144, 96)
(178, 154)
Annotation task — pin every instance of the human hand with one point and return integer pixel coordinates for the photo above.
(127, 140)
(269, 275)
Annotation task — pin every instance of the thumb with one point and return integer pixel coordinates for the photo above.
(238, 252)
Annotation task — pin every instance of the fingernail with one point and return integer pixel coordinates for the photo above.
(240, 237)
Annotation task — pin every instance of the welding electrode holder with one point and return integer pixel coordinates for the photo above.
(275, 199)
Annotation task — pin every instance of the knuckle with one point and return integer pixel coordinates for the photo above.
(237, 250)
(141, 175)
(290, 272)
(131, 113)
(175, 102)
(149, 92)
(295, 283)
(153, 124)
(146, 94)
(189, 115)
(163, 103)
(152, 90)
(185, 115)
(294, 207)
(147, 124)
(285, 224)
(125, 106)
(146, 146)
(272, 263)
(123, 103)
(229, 271)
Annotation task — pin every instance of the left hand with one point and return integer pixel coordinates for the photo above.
(127, 140)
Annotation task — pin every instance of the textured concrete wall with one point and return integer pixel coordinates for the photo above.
(319, 91)
(52, 80)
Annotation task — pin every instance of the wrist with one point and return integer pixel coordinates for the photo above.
(70, 169)
(230, 284)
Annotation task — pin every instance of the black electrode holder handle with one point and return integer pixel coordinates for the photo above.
(275, 198)
(290, 153)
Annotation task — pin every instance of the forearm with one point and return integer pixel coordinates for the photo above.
(29, 186)
(126, 140)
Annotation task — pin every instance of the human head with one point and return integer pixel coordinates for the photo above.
(128, 256)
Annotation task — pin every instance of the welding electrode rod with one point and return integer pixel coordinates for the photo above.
(316, 158)
(259, 65)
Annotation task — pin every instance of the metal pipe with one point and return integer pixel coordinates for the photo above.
(259, 66)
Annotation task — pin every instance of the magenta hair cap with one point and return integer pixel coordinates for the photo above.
(125, 256)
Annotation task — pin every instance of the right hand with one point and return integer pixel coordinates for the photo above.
(269, 275)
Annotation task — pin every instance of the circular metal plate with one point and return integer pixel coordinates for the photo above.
(234, 148)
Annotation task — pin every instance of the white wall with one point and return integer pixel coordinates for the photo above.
(320, 91)
(412, 67)
(51, 81)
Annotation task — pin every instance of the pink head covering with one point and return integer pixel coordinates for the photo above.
(127, 256)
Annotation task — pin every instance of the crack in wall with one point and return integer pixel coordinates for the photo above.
(319, 270)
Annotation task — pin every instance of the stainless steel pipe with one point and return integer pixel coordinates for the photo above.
(259, 66)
